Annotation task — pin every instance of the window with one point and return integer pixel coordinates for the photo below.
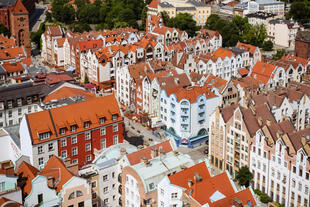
(115, 139)
(64, 154)
(103, 144)
(19, 111)
(86, 124)
(88, 158)
(114, 117)
(87, 136)
(152, 186)
(73, 140)
(94, 195)
(115, 128)
(105, 177)
(105, 201)
(105, 190)
(81, 204)
(102, 131)
(43, 136)
(63, 142)
(94, 184)
(40, 150)
(40, 161)
(162, 191)
(62, 131)
(79, 193)
(174, 195)
(87, 147)
(113, 174)
(71, 196)
(29, 109)
(306, 190)
(74, 151)
(40, 198)
(50, 147)
(73, 128)
(102, 120)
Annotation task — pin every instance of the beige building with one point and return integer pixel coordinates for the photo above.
(199, 10)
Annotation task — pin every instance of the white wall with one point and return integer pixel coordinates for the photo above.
(25, 140)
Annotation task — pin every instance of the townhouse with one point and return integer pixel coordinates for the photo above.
(283, 32)
(104, 174)
(199, 10)
(271, 6)
(260, 18)
(255, 53)
(9, 190)
(57, 184)
(268, 74)
(19, 99)
(279, 163)
(140, 181)
(63, 132)
(302, 44)
(195, 186)
(231, 133)
(186, 112)
(9, 148)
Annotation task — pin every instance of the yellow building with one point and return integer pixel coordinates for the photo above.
(199, 10)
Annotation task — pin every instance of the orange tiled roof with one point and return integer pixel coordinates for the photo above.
(243, 71)
(55, 30)
(13, 67)
(19, 8)
(7, 42)
(217, 82)
(262, 71)
(300, 60)
(192, 93)
(202, 190)
(90, 44)
(162, 30)
(154, 4)
(28, 171)
(248, 47)
(222, 53)
(56, 78)
(12, 53)
(66, 92)
(135, 157)
(27, 61)
(64, 117)
(56, 168)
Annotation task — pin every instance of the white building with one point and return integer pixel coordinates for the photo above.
(186, 112)
(271, 6)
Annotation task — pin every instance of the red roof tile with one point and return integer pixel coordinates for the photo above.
(154, 4)
(262, 71)
(28, 171)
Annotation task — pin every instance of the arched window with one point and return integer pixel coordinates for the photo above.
(290, 71)
(79, 193)
(202, 131)
(71, 196)
(172, 131)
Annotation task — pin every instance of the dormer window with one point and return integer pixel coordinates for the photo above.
(62, 131)
(86, 124)
(10, 104)
(29, 100)
(73, 128)
(102, 120)
(19, 101)
(43, 136)
(114, 117)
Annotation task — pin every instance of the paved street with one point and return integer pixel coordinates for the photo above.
(37, 17)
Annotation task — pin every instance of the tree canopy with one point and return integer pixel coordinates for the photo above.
(244, 176)
(4, 30)
(182, 21)
(236, 30)
(300, 11)
(105, 14)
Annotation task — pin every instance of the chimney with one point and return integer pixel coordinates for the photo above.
(268, 122)
(143, 159)
(197, 177)
(50, 181)
(122, 151)
(190, 183)
(154, 152)
(237, 202)
(260, 121)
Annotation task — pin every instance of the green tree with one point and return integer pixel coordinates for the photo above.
(184, 22)
(80, 27)
(279, 54)
(267, 45)
(62, 11)
(165, 17)
(244, 176)
(4, 30)
(89, 14)
(300, 11)
(255, 35)
(86, 79)
(212, 21)
(143, 18)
